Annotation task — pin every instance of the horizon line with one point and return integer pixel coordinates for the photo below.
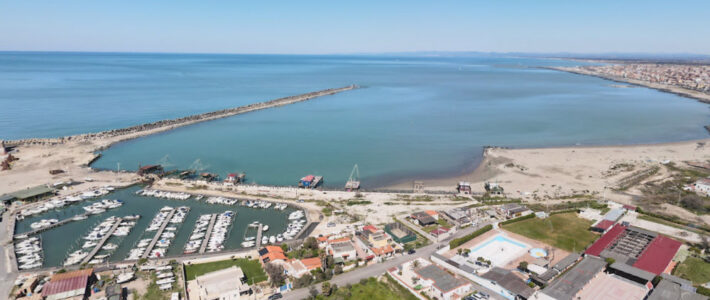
(560, 54)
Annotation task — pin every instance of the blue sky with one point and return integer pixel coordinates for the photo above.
(300, 27)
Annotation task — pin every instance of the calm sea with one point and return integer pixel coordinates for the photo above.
(414, 116)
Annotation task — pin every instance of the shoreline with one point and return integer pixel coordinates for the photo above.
(679, 91)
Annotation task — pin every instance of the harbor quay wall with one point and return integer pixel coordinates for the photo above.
(173, 123)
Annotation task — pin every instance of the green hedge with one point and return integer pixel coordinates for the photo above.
(460, 241)
(565, 211)
(530, 216)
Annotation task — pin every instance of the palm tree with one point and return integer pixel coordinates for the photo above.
(415, 264)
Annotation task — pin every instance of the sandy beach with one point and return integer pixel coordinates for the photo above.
(554, 174)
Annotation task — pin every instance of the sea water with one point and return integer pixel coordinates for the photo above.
(414, 117)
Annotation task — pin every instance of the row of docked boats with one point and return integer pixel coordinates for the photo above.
(101, 206)
(43, 223)
(198, 234)
(29, 253)
(60, 202)
(221, 200)
(92, 240)
(163, 194)
(137, 252)
(167, 236)
(159, 218)
(219, 231)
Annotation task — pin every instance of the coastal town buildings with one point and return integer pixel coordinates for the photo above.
(692, 77)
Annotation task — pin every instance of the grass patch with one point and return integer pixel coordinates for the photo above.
(251, 268)
(197, 187)
(694, 269)
(358, 202)
(565, 231)
(372, 289)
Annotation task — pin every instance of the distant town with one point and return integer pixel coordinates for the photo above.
(691, 80)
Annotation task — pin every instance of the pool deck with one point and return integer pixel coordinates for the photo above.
(559, 254)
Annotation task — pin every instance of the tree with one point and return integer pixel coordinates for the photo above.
(276, 274)
(338, 269)
(310, 243)
(284, 247)
(333, 288)
(329, 261)
(325, 288)
(303, 281)
(610, 261)
(656, 280)
(415, 264)
(523, 265)
(313, 291)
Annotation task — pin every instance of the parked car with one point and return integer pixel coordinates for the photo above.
(411, 251)
(276, 296)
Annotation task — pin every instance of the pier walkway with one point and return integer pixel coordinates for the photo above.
(258, 236)
(102, 241)
(208, 234)
(158, 233)
(36, 231)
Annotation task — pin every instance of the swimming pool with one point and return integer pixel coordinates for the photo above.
(500, 250)
(499, 238)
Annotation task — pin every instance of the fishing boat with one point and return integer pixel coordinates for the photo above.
(125, 277)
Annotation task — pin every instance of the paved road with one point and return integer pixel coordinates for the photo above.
(356, 275)
(7, 276)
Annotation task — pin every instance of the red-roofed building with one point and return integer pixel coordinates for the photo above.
(370, 228)
(658, 255)
(603, 225)
(434, 214)
(312, 263)
(272, 254)
(439, 231)
(69, 285)
(383, 251)
(630, 207)
(606, 239)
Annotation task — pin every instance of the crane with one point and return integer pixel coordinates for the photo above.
(354, 180)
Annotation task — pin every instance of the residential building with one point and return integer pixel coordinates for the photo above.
(433, 281)
(510, 284)
(703, 186)
(299, 267)
(423, 218)
(342, 248)
(400, 233)
(272, 254)
(513, 210)
(225, 284)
